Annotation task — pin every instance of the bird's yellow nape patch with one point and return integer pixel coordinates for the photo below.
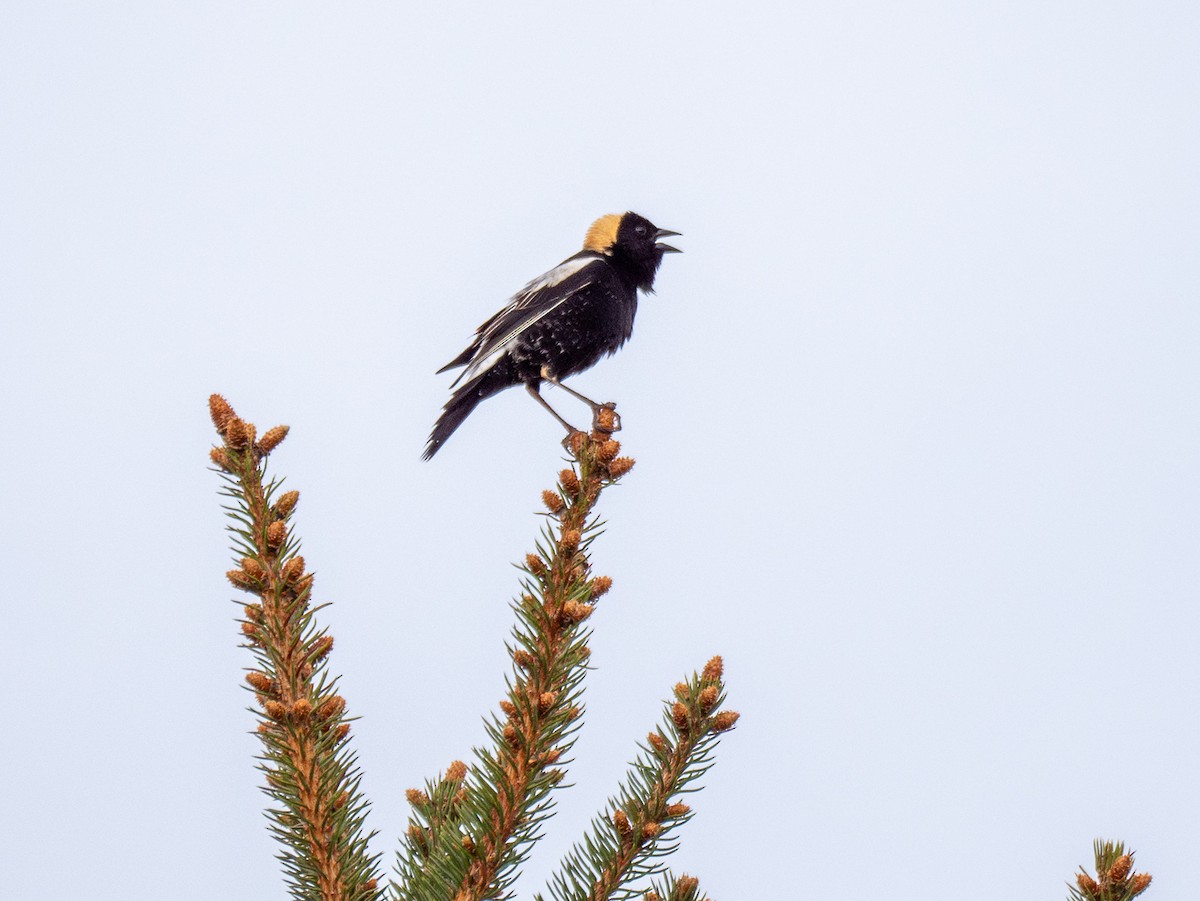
(603, 234)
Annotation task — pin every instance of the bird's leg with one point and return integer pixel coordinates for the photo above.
(532, 388)
(596, 408)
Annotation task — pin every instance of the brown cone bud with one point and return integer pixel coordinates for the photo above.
(681, 690)
(253, 612)
(608, 450)
(725, 720)
(687, 885)
(510, 736)
(240, 579)
(620, 467)
(259, 681)
(341, 731)
(238, 434)
(554, 503)
(678, 810)
(302, 708)
(1141, 881)
(321, 647)
(535, 564)
(304, 586)
(276, 533)
(569, 482)
(570, 540)
(523, 659)
(220, 411)
(275, 710)
(456, 772)
(416, 797)
(249, 629)
(271, 439)
(1088, 884)
(621, 821)
(657, 742)
(286, 504)
(652, 830)
(575, 612)
(576, 442)
(509, 708)
(600, 586)
(713, 670)
(332, 707)
(293, 569)
(221, 459)
(606, 419)
(1120, 868)
(546, 701)
(253, 568)
(708, 697)
(679, 714)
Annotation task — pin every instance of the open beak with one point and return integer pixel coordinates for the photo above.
(665, 248)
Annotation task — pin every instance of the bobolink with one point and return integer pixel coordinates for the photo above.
(560, 323)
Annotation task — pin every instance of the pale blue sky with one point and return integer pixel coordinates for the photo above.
(915, 416)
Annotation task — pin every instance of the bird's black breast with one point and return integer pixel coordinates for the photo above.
(592, 323)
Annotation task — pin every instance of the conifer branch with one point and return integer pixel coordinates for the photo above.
(626, 844)
(1115, 879)
(685, 888)
(311, 773)
(471, 852)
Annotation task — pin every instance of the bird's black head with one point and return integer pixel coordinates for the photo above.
(631, 241)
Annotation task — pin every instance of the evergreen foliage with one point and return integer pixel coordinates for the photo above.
(312, 777)
(473, 826)
(1115, 879)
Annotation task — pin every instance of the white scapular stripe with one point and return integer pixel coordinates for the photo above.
(559, 273)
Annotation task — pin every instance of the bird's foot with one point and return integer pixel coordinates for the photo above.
(573, 443)
(605, 418)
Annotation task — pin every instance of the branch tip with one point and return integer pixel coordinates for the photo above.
(714, 669)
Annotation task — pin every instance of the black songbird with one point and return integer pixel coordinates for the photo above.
(560, 323)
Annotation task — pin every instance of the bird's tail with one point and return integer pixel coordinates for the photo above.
(459, 407)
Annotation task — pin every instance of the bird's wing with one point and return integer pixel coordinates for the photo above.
(545, 293)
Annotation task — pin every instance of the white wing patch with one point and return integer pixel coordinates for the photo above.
(559, 273)
(492, 345)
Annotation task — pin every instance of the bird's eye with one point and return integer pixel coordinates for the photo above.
(640, 231)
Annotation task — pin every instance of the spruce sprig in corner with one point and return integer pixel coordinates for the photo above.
(311, 773)
(1115, 879)
(627, 844)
